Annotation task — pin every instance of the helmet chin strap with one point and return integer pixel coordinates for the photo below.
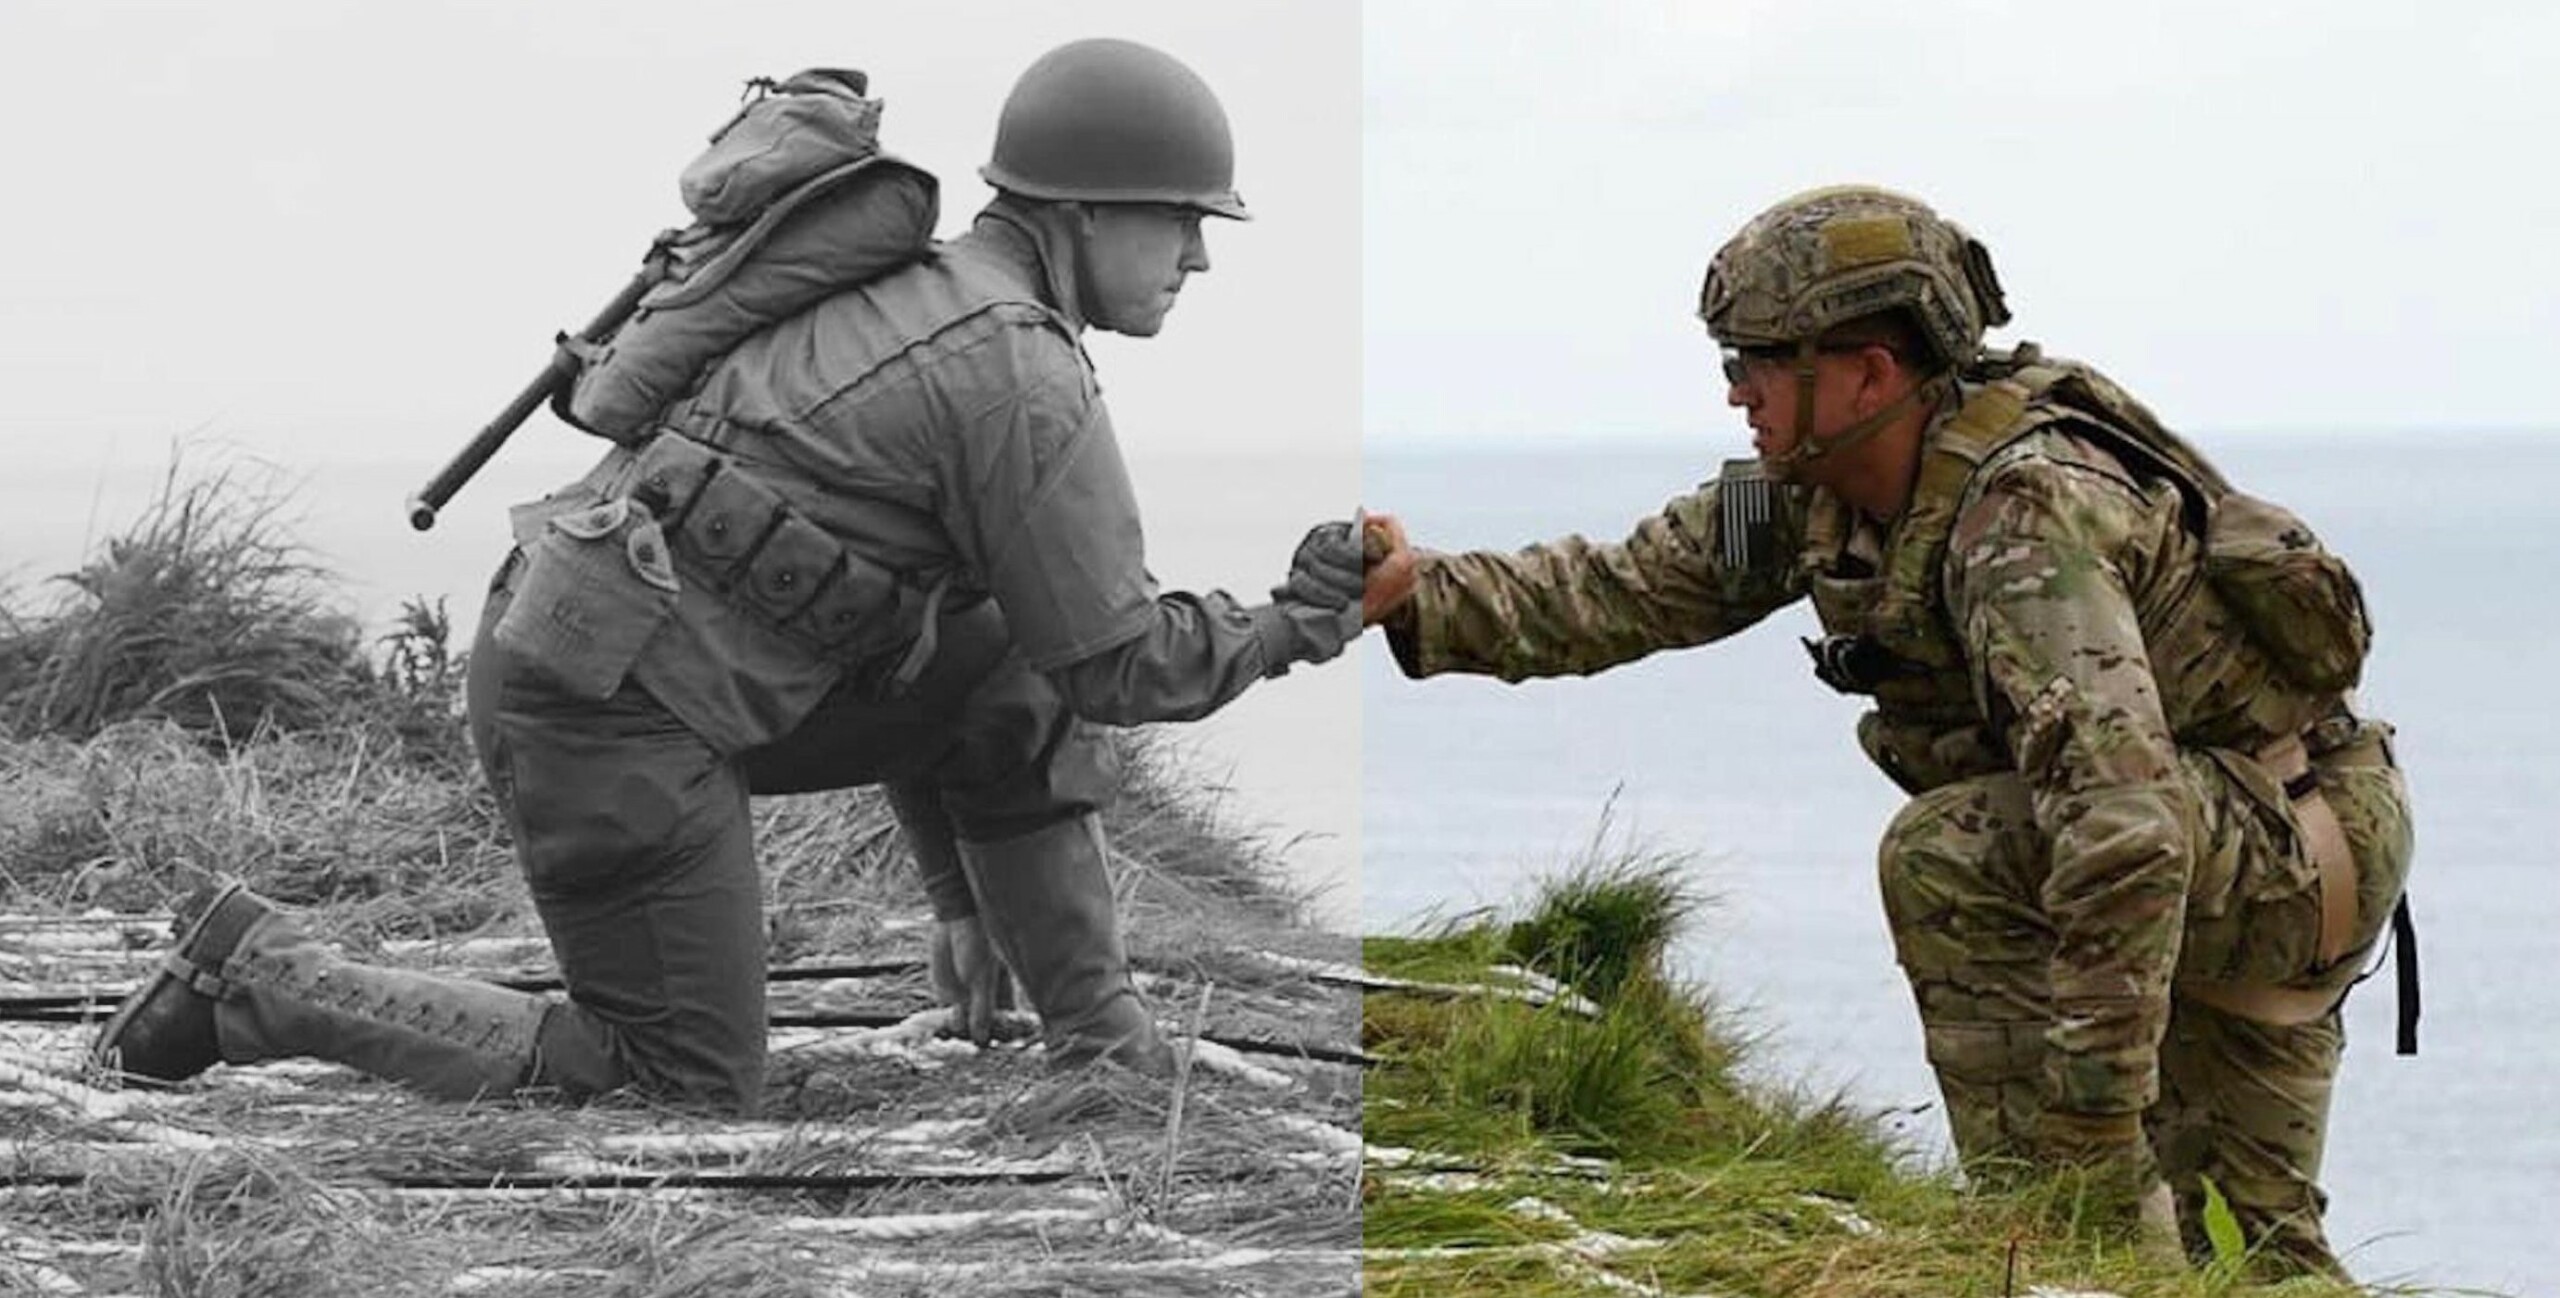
(1807, 449)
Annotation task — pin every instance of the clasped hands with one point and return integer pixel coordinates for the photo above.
(1330, 567)
(1345, 577)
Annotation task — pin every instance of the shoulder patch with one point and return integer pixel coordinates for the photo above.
(1747, 506)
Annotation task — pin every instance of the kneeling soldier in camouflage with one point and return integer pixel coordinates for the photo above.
(2149, 844)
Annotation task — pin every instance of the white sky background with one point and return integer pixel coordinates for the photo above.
(342, 229)
(338, 237)
(2264, 215)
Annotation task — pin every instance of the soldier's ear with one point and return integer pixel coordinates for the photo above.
(1881, 369)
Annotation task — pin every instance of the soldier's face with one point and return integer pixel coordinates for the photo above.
(1136, 256)
(1762, 383)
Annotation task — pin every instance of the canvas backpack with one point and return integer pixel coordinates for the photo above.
(792, 202)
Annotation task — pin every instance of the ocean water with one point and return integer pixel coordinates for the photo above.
(1283, 755)
(2443, 1168)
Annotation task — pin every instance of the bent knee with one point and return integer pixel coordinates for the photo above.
(1951, 835)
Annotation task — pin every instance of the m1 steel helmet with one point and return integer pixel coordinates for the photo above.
(1113, 121)
(1828, 256)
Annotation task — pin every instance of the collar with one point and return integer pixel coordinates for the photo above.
(1030, 241)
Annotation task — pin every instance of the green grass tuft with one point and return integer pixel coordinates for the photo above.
(1723, 1187)
(1605, 926)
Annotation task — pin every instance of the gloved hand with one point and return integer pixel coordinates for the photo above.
(1326, 570)
(966, 975)
(1318, 607)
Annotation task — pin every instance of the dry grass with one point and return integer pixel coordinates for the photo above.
(131, 764)
(206, 612)
(300, 1190)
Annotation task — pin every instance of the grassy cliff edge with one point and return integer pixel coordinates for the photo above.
(1556, 1115)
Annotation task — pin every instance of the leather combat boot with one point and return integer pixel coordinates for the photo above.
(244, 983)
(1045, 898)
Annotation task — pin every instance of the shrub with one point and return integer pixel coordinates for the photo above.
(205, 612)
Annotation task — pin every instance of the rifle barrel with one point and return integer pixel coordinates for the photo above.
(440, 489)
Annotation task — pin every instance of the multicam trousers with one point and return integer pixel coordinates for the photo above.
(2244, 1103)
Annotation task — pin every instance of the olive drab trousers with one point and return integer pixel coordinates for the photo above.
(2245, 1103)
(635, 840)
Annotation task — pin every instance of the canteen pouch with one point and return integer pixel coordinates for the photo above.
(595, 586)
(2295, 598)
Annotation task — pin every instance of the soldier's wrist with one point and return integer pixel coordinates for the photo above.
(1278, 639)
(1292, 632)
(1403, 628)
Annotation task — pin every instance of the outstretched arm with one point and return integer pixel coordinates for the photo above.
(1051, 520)
(1199, 651)
(1572, 606)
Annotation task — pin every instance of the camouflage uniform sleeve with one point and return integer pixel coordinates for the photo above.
(1573, 607)
(2038, 588)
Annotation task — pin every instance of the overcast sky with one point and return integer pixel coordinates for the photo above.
(2256, 215)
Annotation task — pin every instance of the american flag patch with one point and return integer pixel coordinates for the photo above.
(1747, 508)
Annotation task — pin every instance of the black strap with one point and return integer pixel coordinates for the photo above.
(2404, 947)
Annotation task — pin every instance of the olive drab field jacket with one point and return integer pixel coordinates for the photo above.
(929, 439)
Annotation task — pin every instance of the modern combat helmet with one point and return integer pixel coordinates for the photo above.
(1825, 257)
(1113, 121)
(1828, 256)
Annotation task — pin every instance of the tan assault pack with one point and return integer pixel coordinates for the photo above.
(2295, 598)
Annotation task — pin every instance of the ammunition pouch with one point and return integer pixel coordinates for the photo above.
(739, 538)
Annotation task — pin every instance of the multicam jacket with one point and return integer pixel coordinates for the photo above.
(2040, 607)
